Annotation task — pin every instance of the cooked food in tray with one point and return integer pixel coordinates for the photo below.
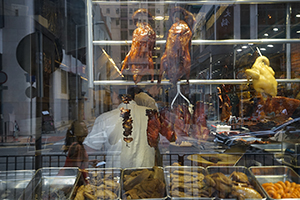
(236, 185)
(280, 189)
(278, 182)
(186, 181)
(102, 184)
(232, 182)
(143, 183)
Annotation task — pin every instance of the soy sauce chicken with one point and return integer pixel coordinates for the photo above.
(139, 58)
(176, 60)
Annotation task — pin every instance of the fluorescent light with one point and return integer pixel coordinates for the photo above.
(298, 15)
(244, 47)
(270, 45)
(239, 50)
(263, 49)
(275, 29)
(266, 34)
(298, 32)
(159, 18)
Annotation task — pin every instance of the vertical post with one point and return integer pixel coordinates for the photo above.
(288, 45)
(89, 61)
(39, 81)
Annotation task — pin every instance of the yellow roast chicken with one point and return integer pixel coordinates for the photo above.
(263, 76)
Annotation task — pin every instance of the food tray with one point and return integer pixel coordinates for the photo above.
(13, 183)
(52, 183)
(186, 169)
(106, 179)
(265, 174)
(128, 171)
(206, 160)
(227, 170)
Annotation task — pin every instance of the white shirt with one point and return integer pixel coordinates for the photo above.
(108, 130)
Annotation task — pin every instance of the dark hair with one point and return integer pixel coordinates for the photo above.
(70, 136)
(132, 91)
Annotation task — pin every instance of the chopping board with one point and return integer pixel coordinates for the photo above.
(215, 159)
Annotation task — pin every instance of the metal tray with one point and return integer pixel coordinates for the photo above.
(52, 183)
(228, 170)
(168, 171)
(128, 171)
(265, 174)
(96, 176)
(222, 159)
(13, 183)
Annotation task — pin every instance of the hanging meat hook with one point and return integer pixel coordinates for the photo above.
(179, 93)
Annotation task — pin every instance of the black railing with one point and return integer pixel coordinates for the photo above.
(27, 162)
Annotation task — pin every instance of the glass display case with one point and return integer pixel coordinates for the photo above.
(139, 84)
(204, 62)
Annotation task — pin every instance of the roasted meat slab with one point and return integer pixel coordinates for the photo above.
(153, 127)
(139, 58)
(175, 123)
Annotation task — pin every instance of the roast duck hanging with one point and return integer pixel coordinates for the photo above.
(176, 123)
(176, 60)
(139, 59)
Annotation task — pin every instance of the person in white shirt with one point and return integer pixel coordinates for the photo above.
(108, 131)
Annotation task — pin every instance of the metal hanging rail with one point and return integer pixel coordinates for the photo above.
(209, 42)
(191, 81)
(204, 2)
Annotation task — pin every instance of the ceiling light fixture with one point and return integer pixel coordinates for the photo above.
(275, 29)
(270, 45)
(159, 18)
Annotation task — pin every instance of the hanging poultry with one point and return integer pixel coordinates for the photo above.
(263, 76)
(176, 60)
(139, 58)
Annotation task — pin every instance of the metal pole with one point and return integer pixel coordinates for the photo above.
(39, 66)
(90, 44)
(288, 45)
